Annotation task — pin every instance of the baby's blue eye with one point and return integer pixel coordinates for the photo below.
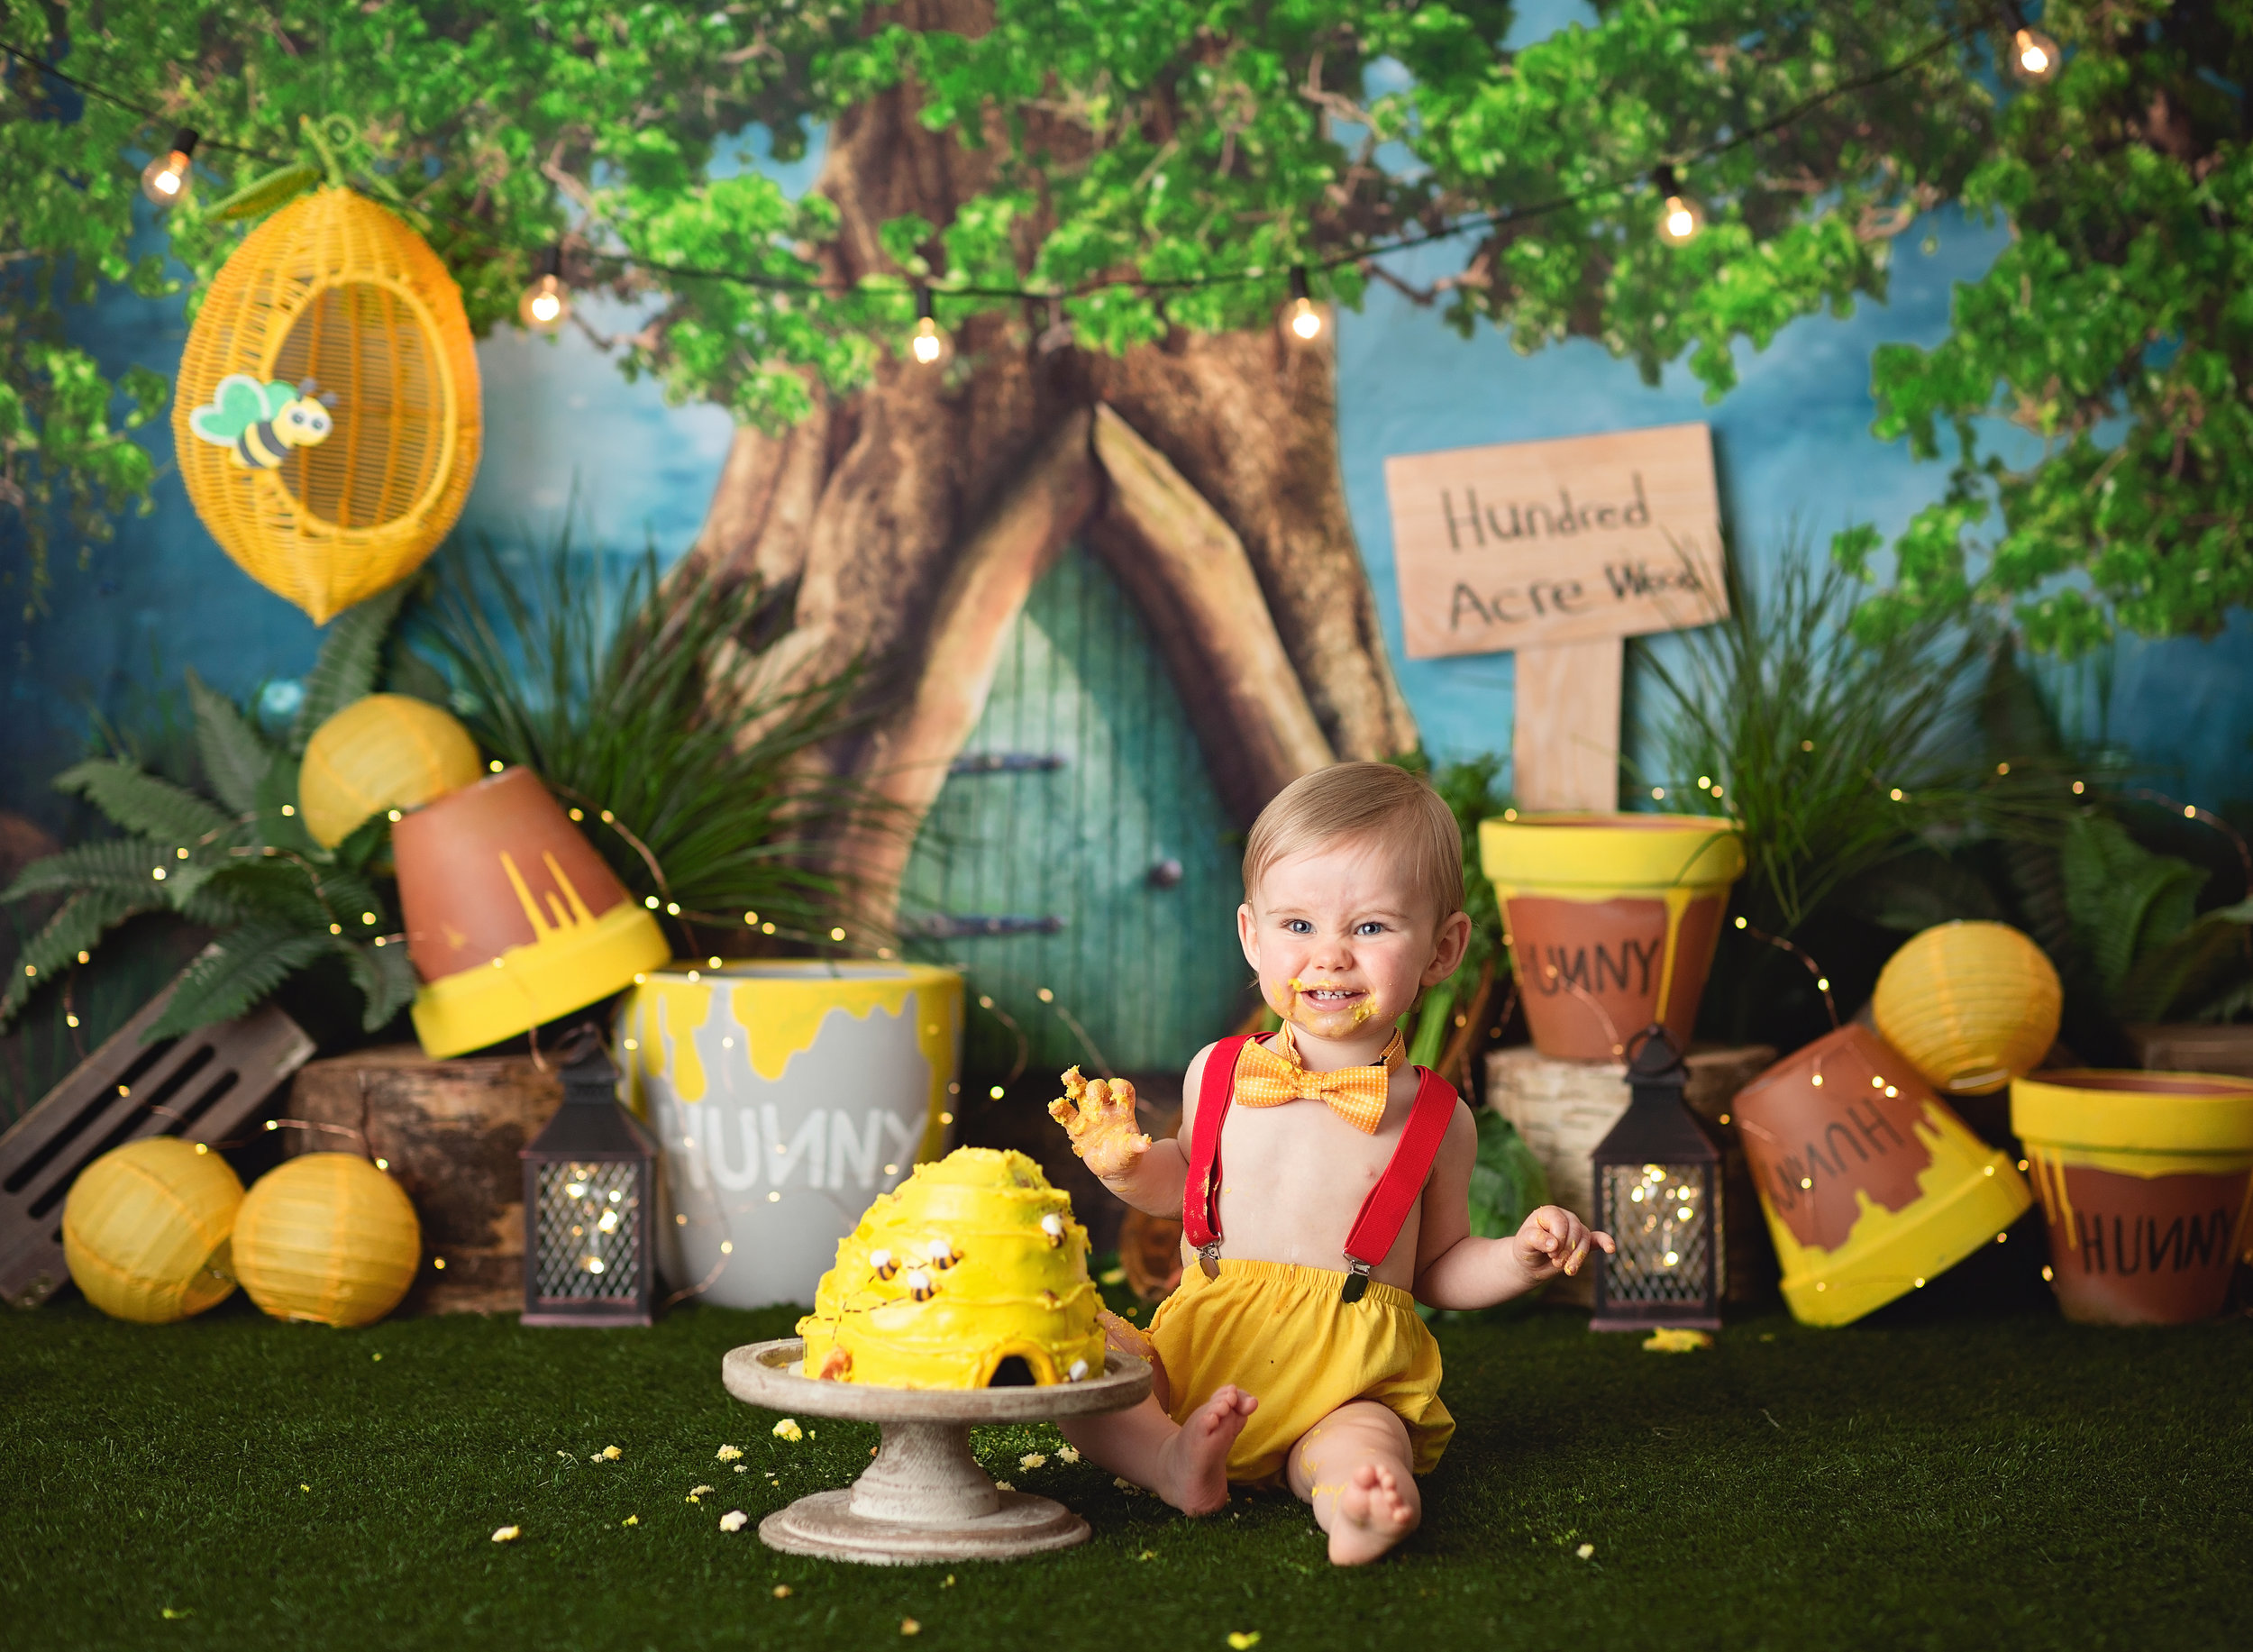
(1372, 927)
(1297, 925)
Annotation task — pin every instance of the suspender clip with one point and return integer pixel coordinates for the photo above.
(1357, 1279)
(1208, 1259)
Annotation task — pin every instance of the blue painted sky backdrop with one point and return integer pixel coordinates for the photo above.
(565, 432)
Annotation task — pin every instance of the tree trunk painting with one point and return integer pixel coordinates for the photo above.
(913, 517)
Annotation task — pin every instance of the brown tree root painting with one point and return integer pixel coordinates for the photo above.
(912, 519)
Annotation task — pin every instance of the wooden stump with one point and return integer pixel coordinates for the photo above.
(450, 1131)
(1565, 1107)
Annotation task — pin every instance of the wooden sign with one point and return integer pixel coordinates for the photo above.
(1559, 550)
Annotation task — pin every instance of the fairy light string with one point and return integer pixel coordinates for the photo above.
(1302, 319)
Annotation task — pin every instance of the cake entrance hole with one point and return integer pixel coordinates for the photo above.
(1012, 1373)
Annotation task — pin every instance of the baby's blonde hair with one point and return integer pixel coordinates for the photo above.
(1363, 800)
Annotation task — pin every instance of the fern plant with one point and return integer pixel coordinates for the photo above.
(2151, 955)
(236, 860)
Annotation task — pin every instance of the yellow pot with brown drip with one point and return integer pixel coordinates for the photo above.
(972, 1274)
(2146, 1182)
(1610, 920)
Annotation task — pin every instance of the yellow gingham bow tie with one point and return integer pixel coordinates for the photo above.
(1269, 1077)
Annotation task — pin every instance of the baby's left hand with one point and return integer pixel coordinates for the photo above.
(1555, 1241)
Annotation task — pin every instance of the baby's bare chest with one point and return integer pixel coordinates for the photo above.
(1299, 1167)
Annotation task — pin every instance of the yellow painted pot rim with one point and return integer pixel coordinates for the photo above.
(2128, 1111)
(1611, 851)
(789, 973)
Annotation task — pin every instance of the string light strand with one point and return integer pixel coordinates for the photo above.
(1500, 218)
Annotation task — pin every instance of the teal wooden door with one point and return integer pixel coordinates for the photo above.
(1079, 847)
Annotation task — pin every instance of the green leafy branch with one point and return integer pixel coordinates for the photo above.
(237, 861)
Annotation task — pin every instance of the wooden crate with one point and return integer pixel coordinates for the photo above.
(1564, 1109)
(448, 1132)
(205, 1087)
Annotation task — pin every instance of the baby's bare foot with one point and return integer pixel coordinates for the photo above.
(1374, 1511)
(1193, 1467)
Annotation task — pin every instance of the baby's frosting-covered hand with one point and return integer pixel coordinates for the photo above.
(1100, 1118)
(1555, 1241)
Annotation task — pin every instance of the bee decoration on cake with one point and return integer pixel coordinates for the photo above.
(1053, 1226)
(943, 1254)
(881, 1264)
(262, 422)
(919, 1283)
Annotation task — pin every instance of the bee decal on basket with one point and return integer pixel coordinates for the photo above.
(262, 422)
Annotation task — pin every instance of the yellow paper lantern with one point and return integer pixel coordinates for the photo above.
(326, 420)
(1971, 1005)
(386, 750)
(327, 1236)
(145, 1229)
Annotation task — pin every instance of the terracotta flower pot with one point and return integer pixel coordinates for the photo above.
(2146, 1179)
(1871, 1185)
(1611, 921)
(512, 918)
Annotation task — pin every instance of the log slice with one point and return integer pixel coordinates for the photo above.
(450, 1131)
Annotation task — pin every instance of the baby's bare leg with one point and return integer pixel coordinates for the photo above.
(1354, 1467)
(1186, 1464)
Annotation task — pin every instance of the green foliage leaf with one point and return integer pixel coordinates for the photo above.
(386, 980)
(1508, 1184)
(346, 670)
(144, 804)
(121, 864)
(2126, 903)
(261, 195)
(235, 758)
(78, 924)
(235, 972)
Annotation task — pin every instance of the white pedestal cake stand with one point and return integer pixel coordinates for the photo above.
(925, 1498)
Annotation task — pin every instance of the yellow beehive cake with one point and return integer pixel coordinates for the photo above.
(972, 1263)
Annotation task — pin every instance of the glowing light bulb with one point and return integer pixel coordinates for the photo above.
(2034, 56)
(1679, 219)
(547, 303)
(1301, 315)
(927, 344)
(167, 179)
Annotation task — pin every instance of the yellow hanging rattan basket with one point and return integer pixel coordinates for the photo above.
(326, 418)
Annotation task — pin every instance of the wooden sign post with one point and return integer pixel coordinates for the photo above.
(1560, 551)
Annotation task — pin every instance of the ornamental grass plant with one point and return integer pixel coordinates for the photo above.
(650, 705)
(1841, 756)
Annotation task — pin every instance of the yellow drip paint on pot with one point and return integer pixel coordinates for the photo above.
(1967, 1194)
(1678, 899)
(781, 1006)
(1590, 859)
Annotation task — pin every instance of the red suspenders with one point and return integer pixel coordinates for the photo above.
(1382, 1213)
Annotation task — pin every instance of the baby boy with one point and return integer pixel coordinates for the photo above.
(1290, 1351)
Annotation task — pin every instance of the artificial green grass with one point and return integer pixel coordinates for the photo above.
(1977, 1481)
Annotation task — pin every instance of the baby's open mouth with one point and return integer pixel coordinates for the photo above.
(1332, 998)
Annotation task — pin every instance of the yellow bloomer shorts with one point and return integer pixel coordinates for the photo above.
(1283, 1333)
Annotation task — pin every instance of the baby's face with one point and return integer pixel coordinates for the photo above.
(1341, 940)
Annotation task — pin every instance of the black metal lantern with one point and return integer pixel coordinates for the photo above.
(1658, 1194)
(590, 1206)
